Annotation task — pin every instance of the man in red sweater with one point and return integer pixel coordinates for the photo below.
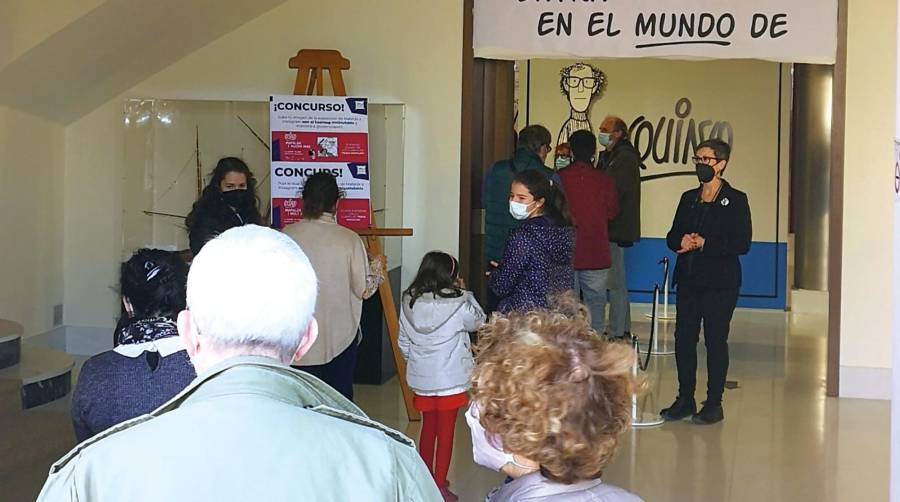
(593, 202)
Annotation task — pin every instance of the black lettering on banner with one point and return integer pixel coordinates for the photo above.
(645, 26)
(723, 33)
(761, 25)
(598, 24)
(686, 24)
(660, 29)
(545, 19)
(667, 29)
(558, 23)
(707, 25)
(657, 140)
(779, 20)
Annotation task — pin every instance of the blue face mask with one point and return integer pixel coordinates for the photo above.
(604, 138)
(562, 162)
(519, 210)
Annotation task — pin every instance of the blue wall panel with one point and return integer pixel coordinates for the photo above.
(764, 271)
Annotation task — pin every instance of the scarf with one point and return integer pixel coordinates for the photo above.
(147, 330)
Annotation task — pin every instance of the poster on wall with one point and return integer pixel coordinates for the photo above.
(312, 134)
(801, 31)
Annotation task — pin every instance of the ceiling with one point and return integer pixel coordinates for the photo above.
(62, 61)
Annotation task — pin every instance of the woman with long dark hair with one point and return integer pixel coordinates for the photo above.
(229, 200)
(436, 318)
(537, 262)
(149, 364)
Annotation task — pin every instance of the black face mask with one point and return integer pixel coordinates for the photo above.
(238, 199)
(705, 173)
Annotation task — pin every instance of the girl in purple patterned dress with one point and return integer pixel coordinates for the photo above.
(537, 262)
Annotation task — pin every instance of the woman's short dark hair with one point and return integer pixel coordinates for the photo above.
(437, 274)
(154, 282)
(320, 195)
(210, 203)
(719, 147)
(584, 145)
(556, 207)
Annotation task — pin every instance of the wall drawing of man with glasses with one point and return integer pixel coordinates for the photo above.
(581, 83)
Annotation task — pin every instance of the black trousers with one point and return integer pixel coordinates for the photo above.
(713, 308)
(338, 373)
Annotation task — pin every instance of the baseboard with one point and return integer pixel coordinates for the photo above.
(75, 340)
(88, 340)
(865, 383)
(805, 301)
(53, 339)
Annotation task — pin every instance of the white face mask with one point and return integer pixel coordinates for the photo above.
(484, 450)
(518, 210)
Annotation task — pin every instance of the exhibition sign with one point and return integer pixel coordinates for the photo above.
(800, 31)
(312, 134)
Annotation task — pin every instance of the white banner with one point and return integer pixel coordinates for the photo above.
(801, 31)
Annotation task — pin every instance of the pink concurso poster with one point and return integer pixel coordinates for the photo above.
(311, 134)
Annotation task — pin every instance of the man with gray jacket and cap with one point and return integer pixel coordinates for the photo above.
(249, 427)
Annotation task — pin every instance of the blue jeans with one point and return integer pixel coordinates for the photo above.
(619, 306)
(591, 286)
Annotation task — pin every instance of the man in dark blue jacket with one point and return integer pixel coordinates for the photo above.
(532, 148)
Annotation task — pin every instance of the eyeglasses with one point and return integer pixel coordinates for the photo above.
(589, 82)
(705, 160)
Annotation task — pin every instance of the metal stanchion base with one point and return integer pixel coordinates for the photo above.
(645, 419)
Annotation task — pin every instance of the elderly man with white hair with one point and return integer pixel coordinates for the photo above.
(249, 427)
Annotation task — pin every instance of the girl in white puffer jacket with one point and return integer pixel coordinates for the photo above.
(436, 318)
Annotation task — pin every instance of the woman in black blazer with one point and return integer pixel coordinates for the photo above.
(711, 229)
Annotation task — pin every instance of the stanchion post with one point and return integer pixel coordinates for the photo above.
(666, 287)
(654, 320)
(641, 419)
(635, 369)
(656, 347)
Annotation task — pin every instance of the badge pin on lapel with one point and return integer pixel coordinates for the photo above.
(725, 201)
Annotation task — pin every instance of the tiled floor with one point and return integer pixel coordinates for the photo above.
(782, 440)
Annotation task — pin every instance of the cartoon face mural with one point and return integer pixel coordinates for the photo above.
(581, 83)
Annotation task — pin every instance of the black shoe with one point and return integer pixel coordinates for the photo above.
(682, 408)
(709, 414)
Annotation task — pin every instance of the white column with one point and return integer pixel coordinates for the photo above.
(895, 322)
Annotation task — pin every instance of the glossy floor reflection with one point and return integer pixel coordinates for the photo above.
(781, 440)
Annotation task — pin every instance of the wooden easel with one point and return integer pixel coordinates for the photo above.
(311, 65)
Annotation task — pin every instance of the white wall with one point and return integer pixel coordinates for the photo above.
(396, 57)
(866, 296)
(31, 244)
(895, 328)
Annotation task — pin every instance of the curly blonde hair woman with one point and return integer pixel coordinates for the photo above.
(550, 402)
